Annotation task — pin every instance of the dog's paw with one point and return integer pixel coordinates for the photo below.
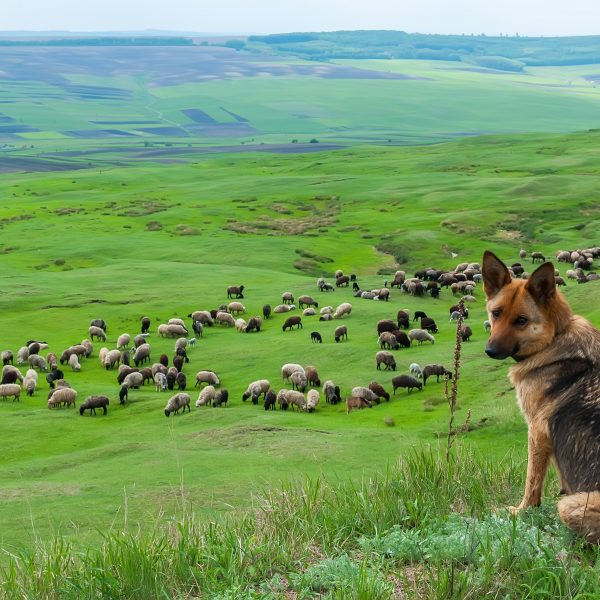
(514, 510)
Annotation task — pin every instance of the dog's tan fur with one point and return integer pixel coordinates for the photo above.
(557, 380)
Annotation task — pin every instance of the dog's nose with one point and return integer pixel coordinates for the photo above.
(491, 352)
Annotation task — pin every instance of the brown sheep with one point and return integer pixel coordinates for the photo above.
(377, 388)
(406, 381)
(312, 376)
(356, 403)
(291, 321)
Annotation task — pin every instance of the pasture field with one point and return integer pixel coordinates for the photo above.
(133, 98)
(120, 242)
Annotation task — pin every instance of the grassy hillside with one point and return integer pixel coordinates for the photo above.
(162, 241)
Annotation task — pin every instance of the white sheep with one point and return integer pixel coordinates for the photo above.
(295, 398)
(288, 369)
(312, 399)
(142, 354)
(345, 308)
(10, 389)
(224, 318)
(89, 348)
(158, 368)
(133, 380)
(282, 308)
(326, 310)
(102, 355)
(240, 325)
(206, 396)
(365, 393)
(308, 312)
(176, 330)
(416, 370)
(181, 343)
(163, 330)
(202, 316)
(209, 377)
(255, 389)
(176, 402)
(236, 307)
(64, 396)
(22, 355)
(299, 380)
(30, 381)
(123, 341)
(74, 363)
(421, 336)
(113, 357)
(160, 381)
(98, 332)
(176, 321)
(35, 360)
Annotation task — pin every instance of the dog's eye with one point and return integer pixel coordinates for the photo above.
(495, 314)
(521, 320)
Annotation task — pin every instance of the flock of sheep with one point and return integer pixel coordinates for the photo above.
(131, 357)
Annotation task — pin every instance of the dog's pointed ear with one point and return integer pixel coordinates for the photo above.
(495, 274)
(542, 284)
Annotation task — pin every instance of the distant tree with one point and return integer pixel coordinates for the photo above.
(314, 141)
(235, 44)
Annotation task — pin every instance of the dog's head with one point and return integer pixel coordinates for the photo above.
(525, 315)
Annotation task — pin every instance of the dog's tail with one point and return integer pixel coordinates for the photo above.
(581, 513)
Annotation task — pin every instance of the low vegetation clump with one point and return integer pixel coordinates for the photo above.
(426, 528)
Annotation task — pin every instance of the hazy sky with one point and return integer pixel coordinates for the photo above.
(527, 17)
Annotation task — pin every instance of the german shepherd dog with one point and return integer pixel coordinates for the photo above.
(557, 381)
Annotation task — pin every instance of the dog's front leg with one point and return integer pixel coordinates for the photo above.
(539, 452)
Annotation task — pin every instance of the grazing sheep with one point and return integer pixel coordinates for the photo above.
(101, 323)
(158, 368)
(415, 370)
(331, 392)
(123, 341)
(406, 381)
(11, 374)
(178, 363)
(291, 321)
(266, 310)
(52, 359)
(456, 308)
(338, 273)
(538, 256)
(98, 332)
(124, 370)
(74, 363)
(312, 376)
(295, 398)
(10, 389)
(270, 400)
(224, 318)
(308, 312)
(487, 326)
(221, 398)
(89, 349)
(176, 330)
(39, 362)
(163, 330)
(345, 308)
(202, 316)
(181, 381)
(312, 399)
(465, 333)
(388, 340)
(30, 381)
(385, 325)
(288, 369)
(282, 399)
(401, 338)
(419, 314)
(176, 402)
(7, 357)
(139, 339)
(421, 336)
(142, 354)
(53, 376)
(287, 298)
(315, 337)
(326, 317)
(340, 333)
(160, 382)
(145, 324)
(454, 316)
(306, 301)
(240, 325)
(378, 389)
(344, 280)
(326, 310)
(383, 357)
(22, 355)
(112, 358)
(299, 380)
(254, 324)
(171, 377)
(428, 324)
(255, 389)
(384, 294)
(64, 396)
(282, 308)
(206, 396)
(176, 321)
(234, 291)
(91, 403)
(133, 380)
(198, 328)
(437, 370)
(356, 403)
(209, 377)
(469, 298)
(236, 308)
(364, 392)
(180, 343)
(147, 374)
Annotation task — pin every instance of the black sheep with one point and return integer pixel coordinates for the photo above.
(178, 362)
(291, 321)
(94, 402)
(406, 381)
(181, 381)
(145, 324)
(419, 314)
(221, 397)
(266, 311)
(270, 399)
(53, 376)
(315, 337)
(164, 360)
